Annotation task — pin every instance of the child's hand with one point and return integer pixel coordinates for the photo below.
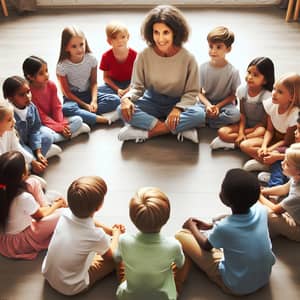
(269, 159)
(193, 223)
(37, 167)
(121, 227)
(66, 132)
(118, 229)
(241, 137)
(60, 202)
(261, 152)
(121, 92)
(42, 159)
(93, 107)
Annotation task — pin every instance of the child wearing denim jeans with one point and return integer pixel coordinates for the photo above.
(117, 62)
(219, 80)
(237, 253)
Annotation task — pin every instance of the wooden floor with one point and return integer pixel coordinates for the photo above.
(190, 174)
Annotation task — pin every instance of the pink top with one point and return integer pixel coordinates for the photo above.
(116, 70)
(49, 106)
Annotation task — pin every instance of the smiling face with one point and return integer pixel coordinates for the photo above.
(76, 49)
(22, 97)
(163, 37)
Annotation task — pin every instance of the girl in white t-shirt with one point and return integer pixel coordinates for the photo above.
(282, 114)
(77, 74)
(259, 84)
(26, 222)
(284, 217)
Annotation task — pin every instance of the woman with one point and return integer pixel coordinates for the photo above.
(165, 82)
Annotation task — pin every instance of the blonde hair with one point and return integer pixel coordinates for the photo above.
(67, 34)
(293, 155)
(149, 209)
(86, 195)
(291, 81)
(5, 108)
(112, 29)
(221, 34)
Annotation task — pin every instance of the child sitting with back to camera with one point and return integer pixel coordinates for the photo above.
(44, 96)
(81, 252)
(219, 80)
(284, 217)
(282, 113)
(77, 74)
(237, 253)
(148, 257)
(28, 123)
(26, 220)
(117, 62)
(258, 87)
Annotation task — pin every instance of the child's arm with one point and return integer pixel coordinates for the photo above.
(195, 226)
(230, 99)
(109, 81)
(46, 211)
(117, 230)
(108, 230)
(94, 90)
(63, 81)
(276, 208)
(289, 138)
(279, 190)
(209, 107)
(267, 138)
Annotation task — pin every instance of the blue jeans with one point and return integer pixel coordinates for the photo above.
(106, 103)
(229, 114)
(153, 107)
(46, 142)
(106, 89)
(75, 123)
(277, 177)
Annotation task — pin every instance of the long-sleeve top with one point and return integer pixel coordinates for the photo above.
(176, 76)
(49, 106)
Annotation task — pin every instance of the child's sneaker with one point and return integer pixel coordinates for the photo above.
(112, 116)
(131, 133)
(191, 134)
(254, 165)
(217, 143)
(53, 151)
(264, 177)
(83, 129)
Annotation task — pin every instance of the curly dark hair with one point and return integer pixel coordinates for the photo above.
(170, 16)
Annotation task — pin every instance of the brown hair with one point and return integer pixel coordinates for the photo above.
(67, 34)
(86, 195)
(149, 209)
(170, 16)
(221, 34)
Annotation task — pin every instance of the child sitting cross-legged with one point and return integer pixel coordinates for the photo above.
(80, 251)
(237, 253)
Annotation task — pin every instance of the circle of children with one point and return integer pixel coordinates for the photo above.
(156, 92)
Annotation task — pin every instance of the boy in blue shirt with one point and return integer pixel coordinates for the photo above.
(245, 262)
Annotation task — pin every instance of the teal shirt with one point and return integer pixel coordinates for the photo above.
(148, 260)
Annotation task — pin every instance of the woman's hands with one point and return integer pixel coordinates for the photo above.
(173, 118)
(127, 109)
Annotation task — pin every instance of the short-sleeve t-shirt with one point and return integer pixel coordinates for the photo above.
(281, 122)
(21, 209)
(118, 71)
(248, 256)
(148, 259)
(292, 202)
(78, 74)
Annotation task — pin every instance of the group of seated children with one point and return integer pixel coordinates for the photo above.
(149, 265)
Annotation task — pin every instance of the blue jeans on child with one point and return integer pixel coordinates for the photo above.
(106, 89)
(106, 103)
(154, 106)
(277, 177)
(75, 123)
(46, 142)
(229, 114)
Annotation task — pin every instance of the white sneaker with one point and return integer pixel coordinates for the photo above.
(217, 143)
(254, 165)
(85, 128)
(264, 177)
(53, 151)
(112, 116)
(191, 134)
(41, 180)
(131, 133)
